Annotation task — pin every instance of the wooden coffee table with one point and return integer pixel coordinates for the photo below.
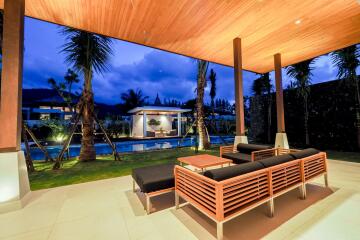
(204, 161)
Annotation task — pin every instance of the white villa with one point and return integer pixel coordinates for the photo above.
(156, 122)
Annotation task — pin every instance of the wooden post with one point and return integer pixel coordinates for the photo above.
(279, 94)
(14, 181)
(11, 78)
(239, 99)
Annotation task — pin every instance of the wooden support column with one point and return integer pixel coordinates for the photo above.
(239, 98)
(279, 94)
(11, 78)
(14, 181)
(281, 140)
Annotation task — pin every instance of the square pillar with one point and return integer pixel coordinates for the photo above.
(281, 138)
(144, 124)
(14, 182)
(179, 124)
(239, 98)
(11, 83)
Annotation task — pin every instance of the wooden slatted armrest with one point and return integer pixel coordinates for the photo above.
(281, 151)
(227, 149)
(262, 154)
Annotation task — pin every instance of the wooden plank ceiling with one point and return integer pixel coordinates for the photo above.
(205, 28)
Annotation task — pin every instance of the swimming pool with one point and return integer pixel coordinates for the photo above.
(128, 146)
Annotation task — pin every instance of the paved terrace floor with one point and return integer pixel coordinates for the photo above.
(108, 209)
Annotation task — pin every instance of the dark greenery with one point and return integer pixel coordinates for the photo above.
(331, 117)
(301, 73)
(64, 88)
(262, 87)
(154, 122)
(212, 79)
(347, 61)
(133, 98)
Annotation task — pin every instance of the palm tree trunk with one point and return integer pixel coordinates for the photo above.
(203, 140)
(306, 118)
(87, 152)
(269, 118)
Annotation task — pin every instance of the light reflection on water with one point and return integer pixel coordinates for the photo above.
(128, 146)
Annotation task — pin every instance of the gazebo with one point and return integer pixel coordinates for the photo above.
(254, 35)
(156, 121)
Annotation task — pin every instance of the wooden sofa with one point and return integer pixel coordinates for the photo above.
(243, 153)
(222, 198)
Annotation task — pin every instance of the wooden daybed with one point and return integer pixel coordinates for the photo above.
(223, 194)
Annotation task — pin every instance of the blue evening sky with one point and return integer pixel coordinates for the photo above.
(135, 66)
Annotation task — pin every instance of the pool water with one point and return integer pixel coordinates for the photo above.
(129, 146)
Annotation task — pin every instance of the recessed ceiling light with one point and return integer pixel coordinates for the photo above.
(298, 21)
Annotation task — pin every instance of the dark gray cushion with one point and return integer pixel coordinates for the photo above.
(272, 161)
(249, 148)
(305, 153)
(220, 174)
(154, 178)
(237, 158)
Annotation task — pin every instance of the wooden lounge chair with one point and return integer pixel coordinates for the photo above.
(225, 193)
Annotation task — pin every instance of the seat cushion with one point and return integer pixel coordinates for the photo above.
(249, 148)
(272, 161)
(220, 174)
(305, 153)
(237, 158)
(154, 178)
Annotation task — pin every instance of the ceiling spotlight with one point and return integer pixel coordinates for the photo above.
(297, 22)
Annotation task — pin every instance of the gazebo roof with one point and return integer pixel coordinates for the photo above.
(158, 110)
(297, 29)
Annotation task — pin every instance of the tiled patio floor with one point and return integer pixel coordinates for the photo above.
(108, 209)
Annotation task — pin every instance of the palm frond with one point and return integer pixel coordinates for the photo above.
(347, 61)
(86, 51)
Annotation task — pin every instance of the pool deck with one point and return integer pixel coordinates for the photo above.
(108, 209)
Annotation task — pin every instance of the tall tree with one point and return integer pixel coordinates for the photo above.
(71, 78)
(347, 61)
(202, 67)
(212, 78)
(301, 73)
(133, 98)
(262, 86)
(87, 53)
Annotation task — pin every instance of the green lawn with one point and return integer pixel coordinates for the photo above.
(73, 171)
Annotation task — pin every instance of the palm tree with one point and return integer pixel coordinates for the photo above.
(212, 79)
(201, 84)
(347, 61)
(133, 98)
(87, 53)
(301, 73)
(262, 85)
